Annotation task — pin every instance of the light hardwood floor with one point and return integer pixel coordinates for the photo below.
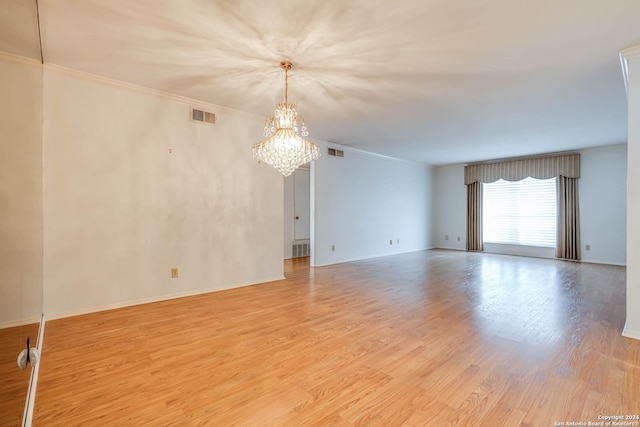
(421, 339)
(14, 382)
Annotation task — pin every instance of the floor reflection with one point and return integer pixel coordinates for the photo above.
(521, 299)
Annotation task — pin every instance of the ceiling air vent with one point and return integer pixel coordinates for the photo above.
(202, 116)
(337, 153)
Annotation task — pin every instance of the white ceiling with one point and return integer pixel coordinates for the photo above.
(438, 81)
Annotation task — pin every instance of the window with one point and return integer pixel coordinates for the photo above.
(520, 213)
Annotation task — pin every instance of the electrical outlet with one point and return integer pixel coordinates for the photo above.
(587, 247)
(446, 237)
(174, 273)
(391, 242)
(333, 248)
(458, 238)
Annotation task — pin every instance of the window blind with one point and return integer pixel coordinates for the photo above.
(520, 212)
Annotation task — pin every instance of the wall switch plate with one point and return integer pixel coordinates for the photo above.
(587, 247)
(446, 237)
(174, 273)
(333, 248)
(391, 242)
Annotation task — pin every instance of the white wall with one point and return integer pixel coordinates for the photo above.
(632, 327)
(450, 207)
(20, 191)
(121, 210)
(602, 205)
(362, 201)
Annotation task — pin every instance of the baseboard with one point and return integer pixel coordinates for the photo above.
(593, 261)
(630, 333)
(364, 258)
(130, 303)
(29, 405)
(449, 248)
(20, 322)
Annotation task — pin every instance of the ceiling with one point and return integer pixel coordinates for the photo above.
(437, 81)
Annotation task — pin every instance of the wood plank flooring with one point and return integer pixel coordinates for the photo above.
(419, 339)
(14, 382)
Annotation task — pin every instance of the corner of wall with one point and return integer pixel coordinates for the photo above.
(629, 333)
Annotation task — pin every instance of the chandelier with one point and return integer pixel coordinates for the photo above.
(284, 149)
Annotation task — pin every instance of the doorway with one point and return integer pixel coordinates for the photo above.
(297, 214)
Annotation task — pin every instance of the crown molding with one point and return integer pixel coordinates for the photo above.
(330, 144)
(631, 52)
(10, 57)
(625, 55)
(624, 65)
(148, 91)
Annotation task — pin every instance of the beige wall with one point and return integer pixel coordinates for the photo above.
(632, 327)
(121, 210)
(20, 191)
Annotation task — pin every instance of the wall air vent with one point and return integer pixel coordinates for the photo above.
(335, 152)
(202, 116)
(299, 250)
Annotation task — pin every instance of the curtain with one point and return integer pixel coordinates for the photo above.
(565, 166)
(514, 170)
(474, 216)
(568, 246)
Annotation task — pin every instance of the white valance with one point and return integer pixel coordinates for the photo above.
(567, 165)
